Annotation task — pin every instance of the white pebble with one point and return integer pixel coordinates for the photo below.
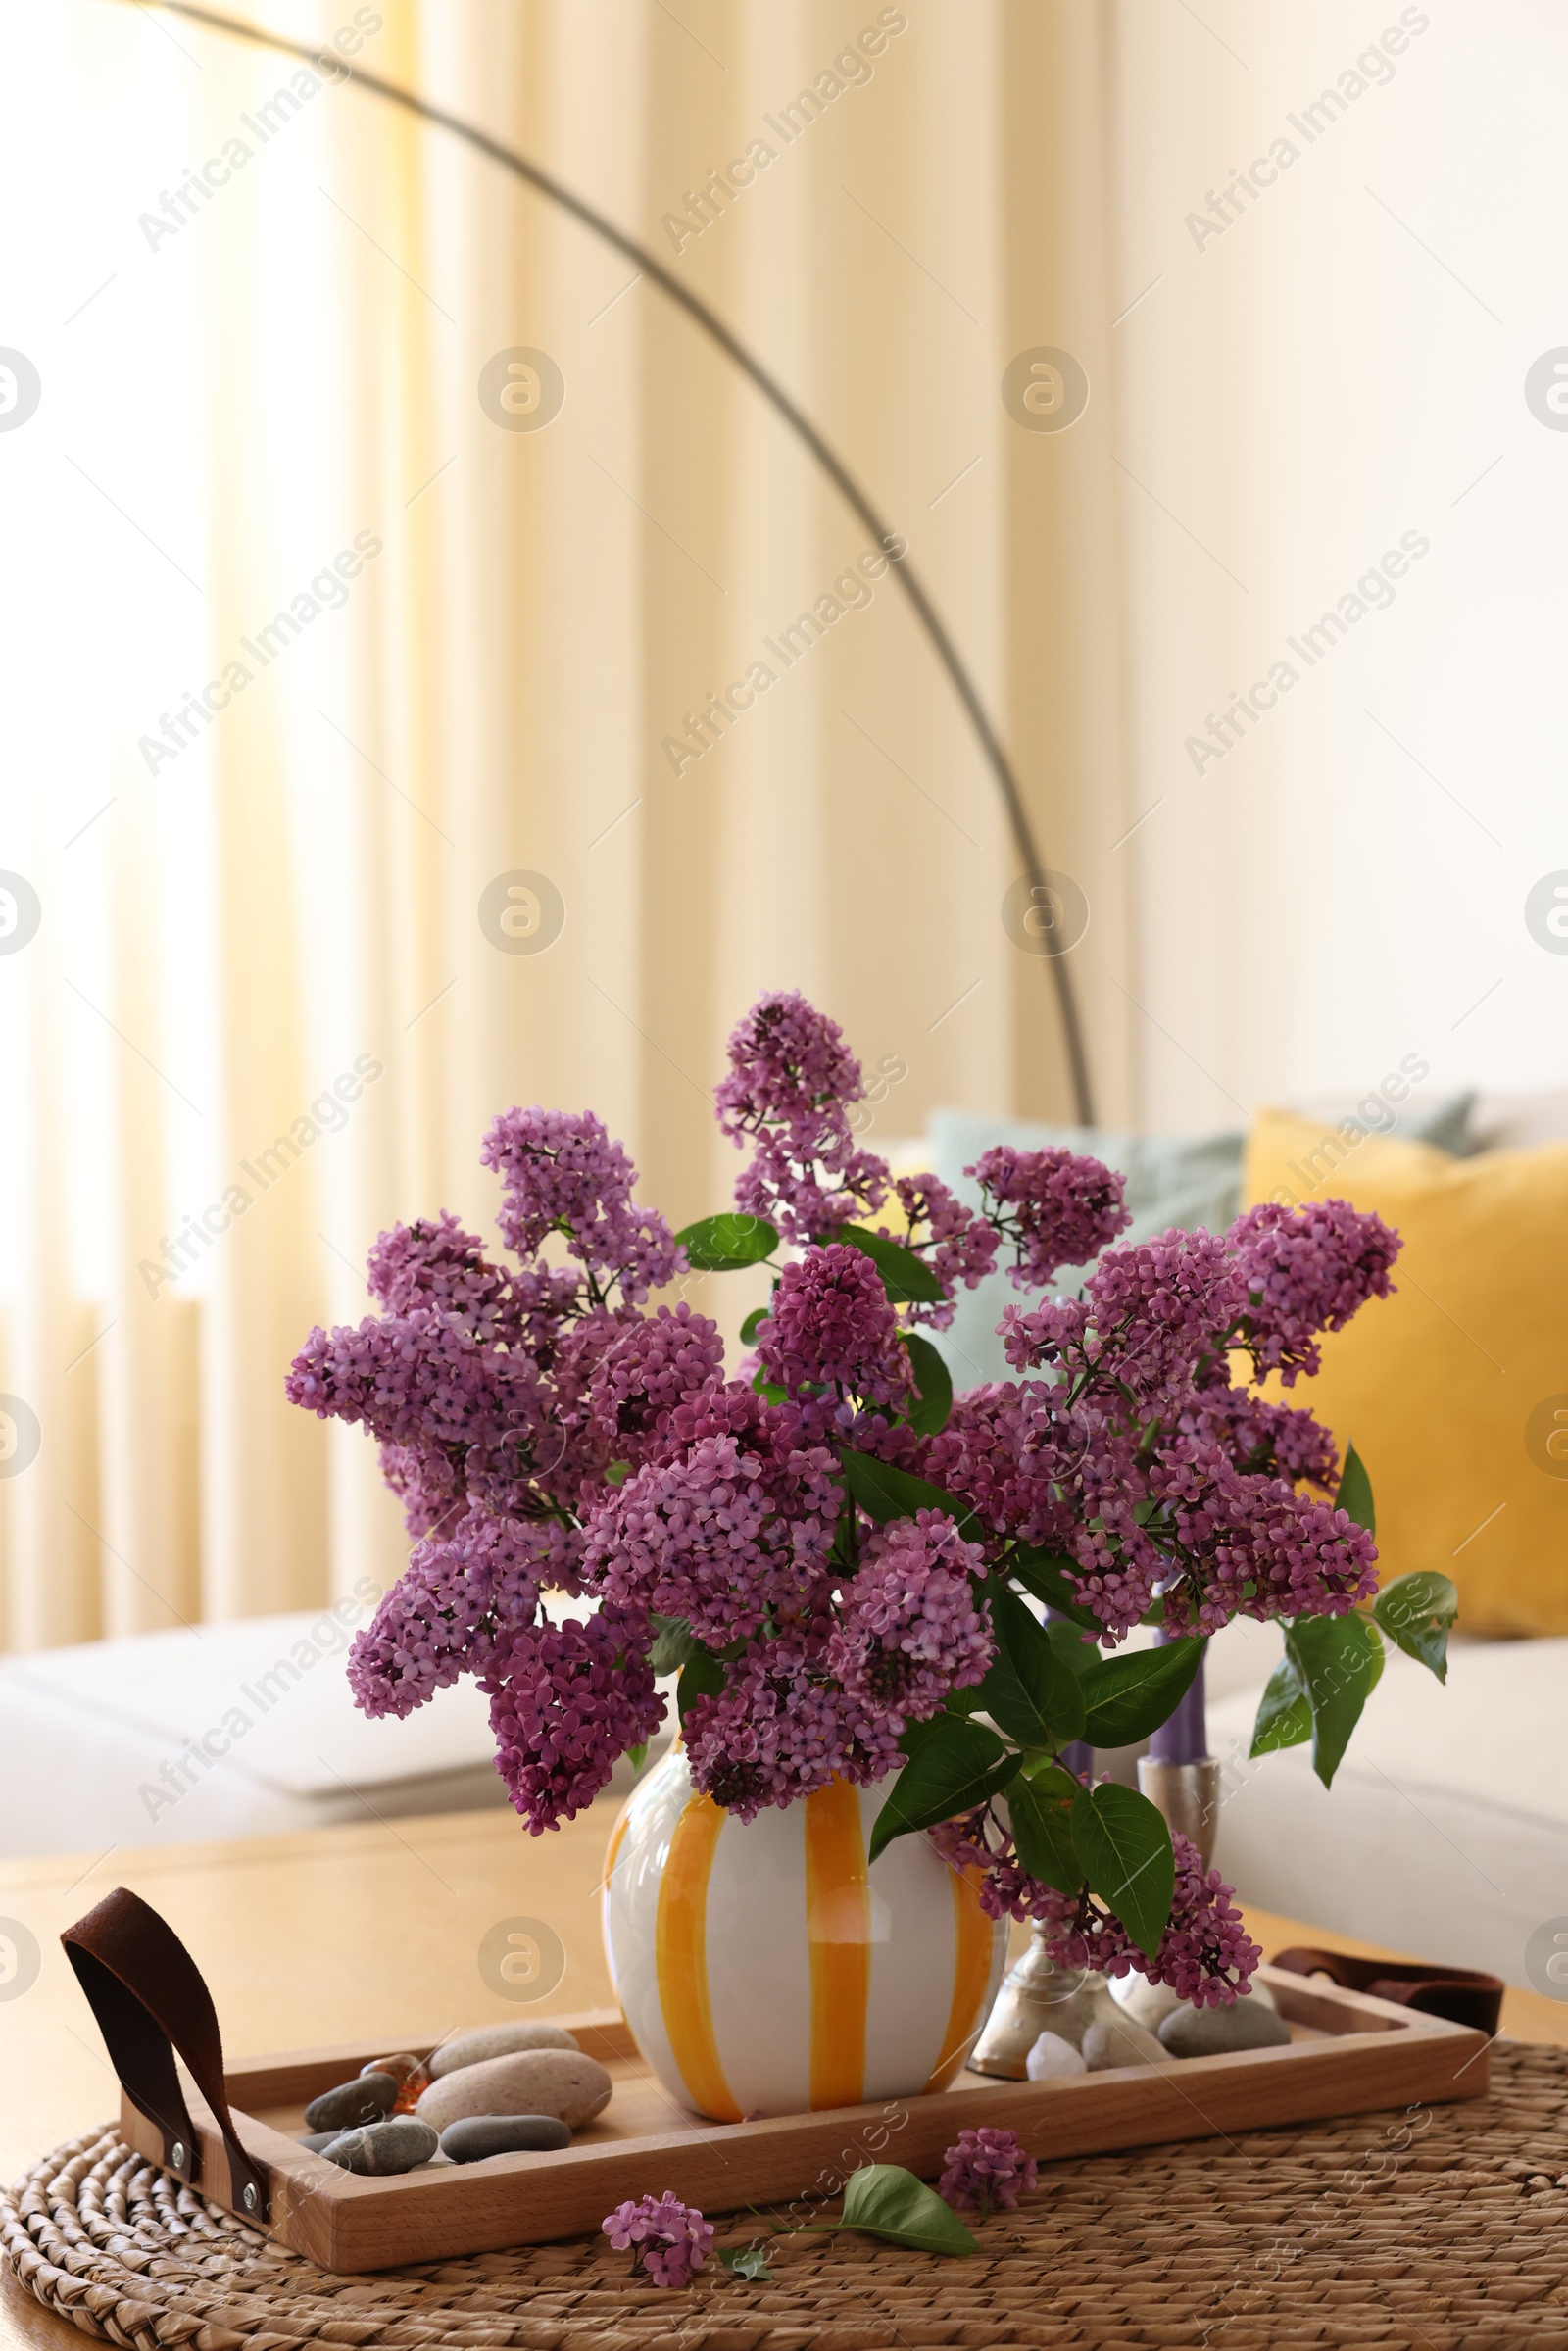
(1052, 2056)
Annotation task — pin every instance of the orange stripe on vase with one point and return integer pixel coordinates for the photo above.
(972, 1948)
(838, 1935)
(680, 1945)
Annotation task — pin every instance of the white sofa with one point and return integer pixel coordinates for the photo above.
(238, 1730)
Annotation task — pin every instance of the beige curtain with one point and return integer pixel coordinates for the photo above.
(305, 1025)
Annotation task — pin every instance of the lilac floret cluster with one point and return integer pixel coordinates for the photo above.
(986, 2171)
(668, 2241)
(797, 1534)
(1205, 1955)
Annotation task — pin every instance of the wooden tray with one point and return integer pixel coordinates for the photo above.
(1349, 2054)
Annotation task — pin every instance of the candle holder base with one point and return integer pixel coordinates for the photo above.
(1037, 1996)
(1188, 1797)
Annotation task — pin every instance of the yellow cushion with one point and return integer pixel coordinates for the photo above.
(1450, 1388)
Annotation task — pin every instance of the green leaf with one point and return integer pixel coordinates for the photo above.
(1356, 1491)
(1124, 1847)
(1284, 1713)
(1028, 1691)
(638, 1756)
(724, 1244)
(956, 1765)
(935, 1384)
(1338, 1659)
(1416, 1611)
(1126, 1697)
(1078, 1655)
(757, 1315)
(1046, 1575)
(906, 1278)
(746, 2261)
(673, 1643)
(888, 1492)
(1042, 1832)
(701, 1677)
(884, 2200)
(766, 1388)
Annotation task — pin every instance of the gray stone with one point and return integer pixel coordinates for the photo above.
(1119, 2041)
(1052, 2058)
(364, 2099)
(481, 2135)
(315, 2141)
(497, 2040)
(558, 2082)
(1213, 2031)
(397, 2145)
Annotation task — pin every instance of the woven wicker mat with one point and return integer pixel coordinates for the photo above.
(1435, 2229)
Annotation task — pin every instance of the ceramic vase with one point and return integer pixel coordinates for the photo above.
(765, 1968)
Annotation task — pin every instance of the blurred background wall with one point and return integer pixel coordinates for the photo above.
(267, 397)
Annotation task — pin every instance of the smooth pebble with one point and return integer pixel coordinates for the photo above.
(481, 2135)
(558, 2082)
(497, 2040)
(1212, 2032)
(402, 2067)
(364, 2099)
(315, 2141)
(384, 2147)
(1147, 2004)
(1052, 2057)
(1121, 2042)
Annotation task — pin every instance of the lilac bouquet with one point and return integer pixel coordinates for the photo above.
(836, 1554)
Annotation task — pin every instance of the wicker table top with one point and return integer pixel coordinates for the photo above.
(1440, 2230)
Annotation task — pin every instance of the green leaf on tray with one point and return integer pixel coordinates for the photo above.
(1124, 1846)
(933, 1380)
(1416, 1611)
(1337, 1660)
(1028, 1691)
(884, 2200)
(1127, 1698)
(906, 1278)
(724, 1244)
(955, 1765)
(1284, 1713)
(701, 1677)
(888, 1492)
(1042, 1830)
(746, 2261)
(1356, 1491)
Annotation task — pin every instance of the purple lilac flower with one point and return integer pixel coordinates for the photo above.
(1305, 1272)
(435, 1265)
(830, 1326)
(562, 1173)
(740, 1524)
(1055, 1207)
(653, 1363)
(790, 1082)
(958, 1244)
(1258, 1547)
(457, 1597)
(909, 1630)
(986, 2171)
(567, 1701)
(416, 1379)
(781, 1728)
(1205, 1955)
(668, 2240)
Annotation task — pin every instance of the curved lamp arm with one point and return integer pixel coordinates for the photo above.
(780, 399)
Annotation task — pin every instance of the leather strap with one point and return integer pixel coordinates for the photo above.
(149, 1998)
(1464, 1996)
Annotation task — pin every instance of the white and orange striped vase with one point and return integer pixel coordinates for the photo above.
(764, 1968)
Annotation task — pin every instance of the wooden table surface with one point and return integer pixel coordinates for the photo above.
(342, 1935)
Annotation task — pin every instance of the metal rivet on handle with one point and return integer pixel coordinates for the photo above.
(249, 2197)
(178, 2157)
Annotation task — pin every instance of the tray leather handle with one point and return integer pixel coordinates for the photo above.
(150, 2001)
(1464, 1996)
